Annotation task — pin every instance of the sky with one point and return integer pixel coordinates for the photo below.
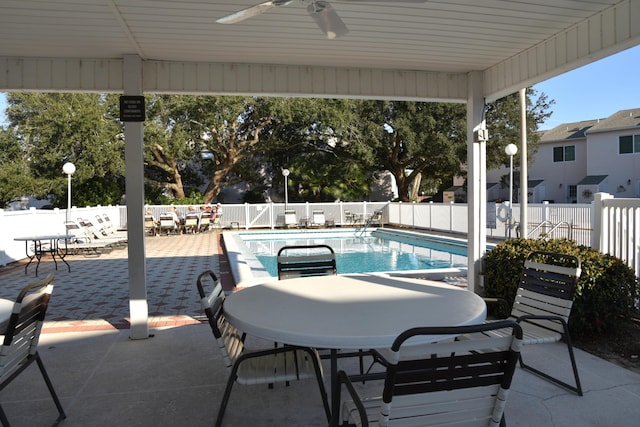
(594, 91)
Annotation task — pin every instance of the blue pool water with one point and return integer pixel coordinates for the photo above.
(375, 252)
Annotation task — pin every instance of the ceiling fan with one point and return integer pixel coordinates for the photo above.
(321, 11)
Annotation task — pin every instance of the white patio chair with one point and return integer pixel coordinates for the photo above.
(20, 334)
(443, 384)
(543, 305)
(279, 364)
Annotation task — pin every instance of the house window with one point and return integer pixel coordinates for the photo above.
(564, 154)
(629, 144)
(573, 192)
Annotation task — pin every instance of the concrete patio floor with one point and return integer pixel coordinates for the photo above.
(176, 377)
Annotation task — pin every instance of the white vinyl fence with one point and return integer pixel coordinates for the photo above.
(616, 228)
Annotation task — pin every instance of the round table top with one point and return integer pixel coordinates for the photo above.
(349, 312)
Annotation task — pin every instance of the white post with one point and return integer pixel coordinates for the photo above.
(68, 168)
(134, 159)
(477, 179)
(599, 233)
(511, 151)
(524, 173)
(285, 173)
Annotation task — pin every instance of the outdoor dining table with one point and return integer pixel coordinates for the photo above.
(47, 243)
(348, 312)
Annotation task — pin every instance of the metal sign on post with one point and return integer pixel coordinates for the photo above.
(132, 108)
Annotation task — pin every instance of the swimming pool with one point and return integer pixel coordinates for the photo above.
(253, 254)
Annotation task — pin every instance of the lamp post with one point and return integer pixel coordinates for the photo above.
(285, 173)
(511, 151)
(69, 169)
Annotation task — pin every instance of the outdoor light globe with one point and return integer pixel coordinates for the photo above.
(511, 149)
(285, 172)
(69, 168)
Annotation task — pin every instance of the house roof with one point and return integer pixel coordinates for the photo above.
(592, 179)
(568, 131)
(620, 120)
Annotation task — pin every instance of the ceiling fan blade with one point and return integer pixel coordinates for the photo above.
(385, 1)
(327, 19)
(252, 11)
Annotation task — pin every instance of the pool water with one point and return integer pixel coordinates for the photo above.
(368, 254)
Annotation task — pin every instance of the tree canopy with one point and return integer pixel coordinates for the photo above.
(195, 146)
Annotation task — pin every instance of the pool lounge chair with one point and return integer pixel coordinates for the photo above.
(108, 230)
(83, 242)
(318, 219)
(290, 218)
(98, 236)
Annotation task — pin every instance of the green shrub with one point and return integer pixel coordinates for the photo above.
(607, 290)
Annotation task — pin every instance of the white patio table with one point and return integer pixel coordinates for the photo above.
(349, 312)
(48, 243)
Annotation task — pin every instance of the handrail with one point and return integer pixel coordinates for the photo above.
(374, 216)
(547, 234)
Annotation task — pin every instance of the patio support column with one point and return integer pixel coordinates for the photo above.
(134, 161)
(524, 173)
(476, 180)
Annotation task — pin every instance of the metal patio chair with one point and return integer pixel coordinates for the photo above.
(312, 260)
(450, 382)
(306, 260)
(168, 224)
(543, 305)
(279, 364)
(191, 223)
(20, 334)
(150, 225)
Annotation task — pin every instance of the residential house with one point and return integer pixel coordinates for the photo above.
(576, 160)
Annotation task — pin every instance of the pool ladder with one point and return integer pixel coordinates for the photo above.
(375, 217)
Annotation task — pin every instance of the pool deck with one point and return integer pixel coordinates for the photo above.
(177, 376)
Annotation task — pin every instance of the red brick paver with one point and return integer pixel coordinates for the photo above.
(95, 294)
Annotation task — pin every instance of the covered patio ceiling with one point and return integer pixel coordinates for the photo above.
(472, 51)
(394, 49)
